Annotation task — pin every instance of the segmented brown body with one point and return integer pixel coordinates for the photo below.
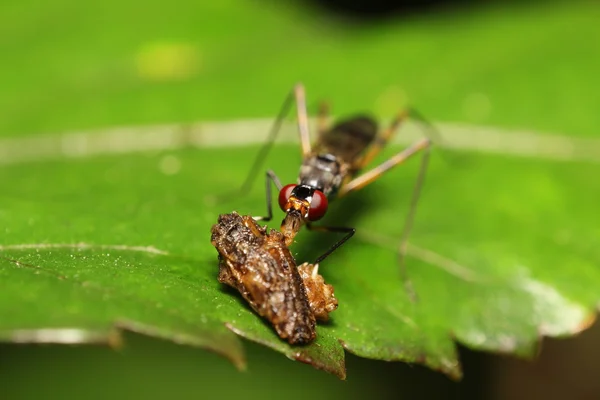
(259, 266)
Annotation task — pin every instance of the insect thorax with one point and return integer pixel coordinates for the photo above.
(323, 172)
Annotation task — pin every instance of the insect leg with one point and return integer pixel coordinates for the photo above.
(408, 223)
(372, 175)
(381, 140)
(322, 118)
(365, 179)
(302, 116)
(384, 137)
(429, 129)
(296, 95)
(269, 177)
(349, 232)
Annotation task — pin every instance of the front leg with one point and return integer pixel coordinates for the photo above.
(269, 177)
(349, 232)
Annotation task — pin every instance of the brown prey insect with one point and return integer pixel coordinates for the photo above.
(259, 265)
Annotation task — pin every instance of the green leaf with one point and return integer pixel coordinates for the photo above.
(503, 249)
(124, 241)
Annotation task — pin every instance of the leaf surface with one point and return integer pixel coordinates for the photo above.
(115, 241)
(504, 249)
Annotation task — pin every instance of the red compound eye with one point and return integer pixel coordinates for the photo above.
(318, 206)
(284, 195)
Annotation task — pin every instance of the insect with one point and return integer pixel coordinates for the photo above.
(261, 268)
(331, 168)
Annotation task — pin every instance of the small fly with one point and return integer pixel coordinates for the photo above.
(331, 168)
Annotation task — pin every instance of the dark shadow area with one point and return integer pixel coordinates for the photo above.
(476, 373)
(151, 368)
(378, 10)
(566, 368)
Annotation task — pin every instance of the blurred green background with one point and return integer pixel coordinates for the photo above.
(71, 65)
